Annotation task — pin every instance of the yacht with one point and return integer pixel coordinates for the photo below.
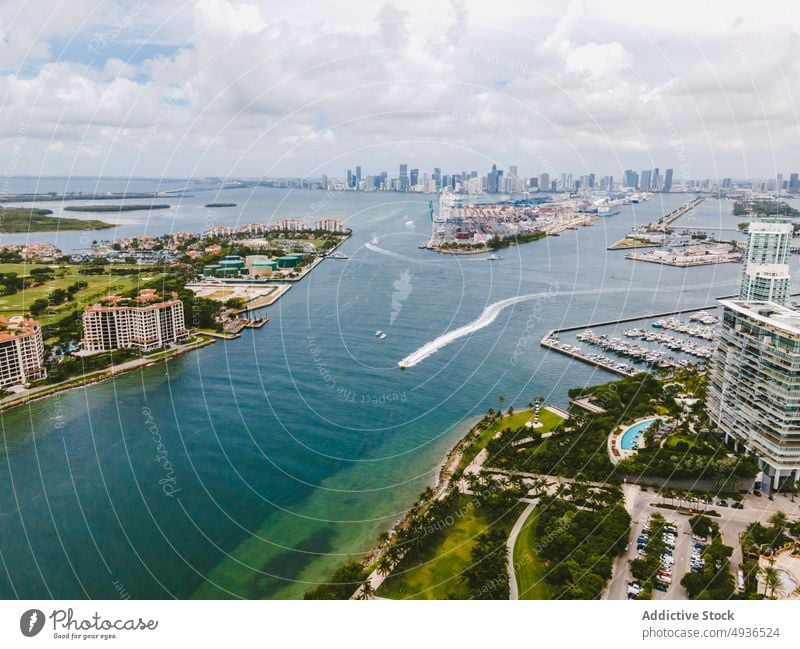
(493, 257)
(338, 255)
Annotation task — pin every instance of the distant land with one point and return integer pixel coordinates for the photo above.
(220, 204)
(24, 219)
(115, 208)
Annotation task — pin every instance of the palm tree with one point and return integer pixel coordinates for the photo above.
(385, 564)
(367, 591)
(772, 581)
(779, 521)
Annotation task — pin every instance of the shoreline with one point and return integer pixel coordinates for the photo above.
(100, 376)
(444, 474)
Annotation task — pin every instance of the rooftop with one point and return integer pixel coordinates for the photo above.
(768, 313)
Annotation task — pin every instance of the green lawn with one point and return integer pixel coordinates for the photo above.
(529, 569)
(437, 574)
(99, 285)
(549, 420)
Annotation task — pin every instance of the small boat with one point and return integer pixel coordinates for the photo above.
(382, 336)
(493, 257)
(338, 255)
(378, 333)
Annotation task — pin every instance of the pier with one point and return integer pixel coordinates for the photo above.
(668, 219)
(550, 340)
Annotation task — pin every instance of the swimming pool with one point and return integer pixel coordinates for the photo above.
(633, 433)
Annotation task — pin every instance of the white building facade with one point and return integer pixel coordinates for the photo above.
(148, 326)
(21, 351)
(754, 384)
(765, 277)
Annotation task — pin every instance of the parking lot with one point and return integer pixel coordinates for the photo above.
(732, 523)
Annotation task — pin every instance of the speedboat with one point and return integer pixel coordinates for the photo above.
(493, 257)
(378, 333)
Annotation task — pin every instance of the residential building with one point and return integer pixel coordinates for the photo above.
(765, 277)
(146, 322)
(754, 385)
(21, 351)
(330, 225)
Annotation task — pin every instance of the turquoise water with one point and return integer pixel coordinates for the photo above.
(294, 446)
(633, 433)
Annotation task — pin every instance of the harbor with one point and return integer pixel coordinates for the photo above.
(662, 351)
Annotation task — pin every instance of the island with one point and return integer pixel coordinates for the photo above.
(115, 208)
(220, 205)
(24, 219)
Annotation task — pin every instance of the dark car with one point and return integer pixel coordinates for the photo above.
(737, 506)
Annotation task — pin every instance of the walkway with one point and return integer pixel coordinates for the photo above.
(513, 589)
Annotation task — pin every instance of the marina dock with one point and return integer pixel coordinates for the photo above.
(552, 342)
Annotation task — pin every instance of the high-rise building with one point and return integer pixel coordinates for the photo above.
(350, 178)
(667, 180)
(358, 177)
(414, 177)
(402, 179)
(21, 351)
(491, 181)
(544, 182)
(631, 179)
(765, 276)
(754, 385)
(779, 183)
(794, 184)
(656, 184)
(645, 180)
(146, 322)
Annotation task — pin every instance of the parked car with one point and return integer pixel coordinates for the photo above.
(737, 506)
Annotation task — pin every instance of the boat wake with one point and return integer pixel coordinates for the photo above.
(397, 255)
(486, 318)
(490, 313)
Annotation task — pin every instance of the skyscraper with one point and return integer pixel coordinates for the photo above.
(544, 182)
(414, 178)
(765, 277)
(667, 180)
(358, 177)
(754, 385)
(631, 179)
(794, 184)
(402, 179)
(491, 181)
(656, 184)
(645, 180)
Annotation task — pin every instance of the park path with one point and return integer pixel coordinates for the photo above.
(513, 589)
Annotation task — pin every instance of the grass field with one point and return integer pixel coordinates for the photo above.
(547, 418)
(99, 285)
(437, 573)
(529, 569)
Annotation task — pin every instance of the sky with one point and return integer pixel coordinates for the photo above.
(247, 89)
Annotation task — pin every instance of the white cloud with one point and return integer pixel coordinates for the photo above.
(321, 86)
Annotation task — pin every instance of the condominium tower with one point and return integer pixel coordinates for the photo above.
(765, 276)
(146, 322)
(754, 384)
(21, 351)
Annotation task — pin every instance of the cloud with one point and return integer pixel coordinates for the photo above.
(252, 87)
